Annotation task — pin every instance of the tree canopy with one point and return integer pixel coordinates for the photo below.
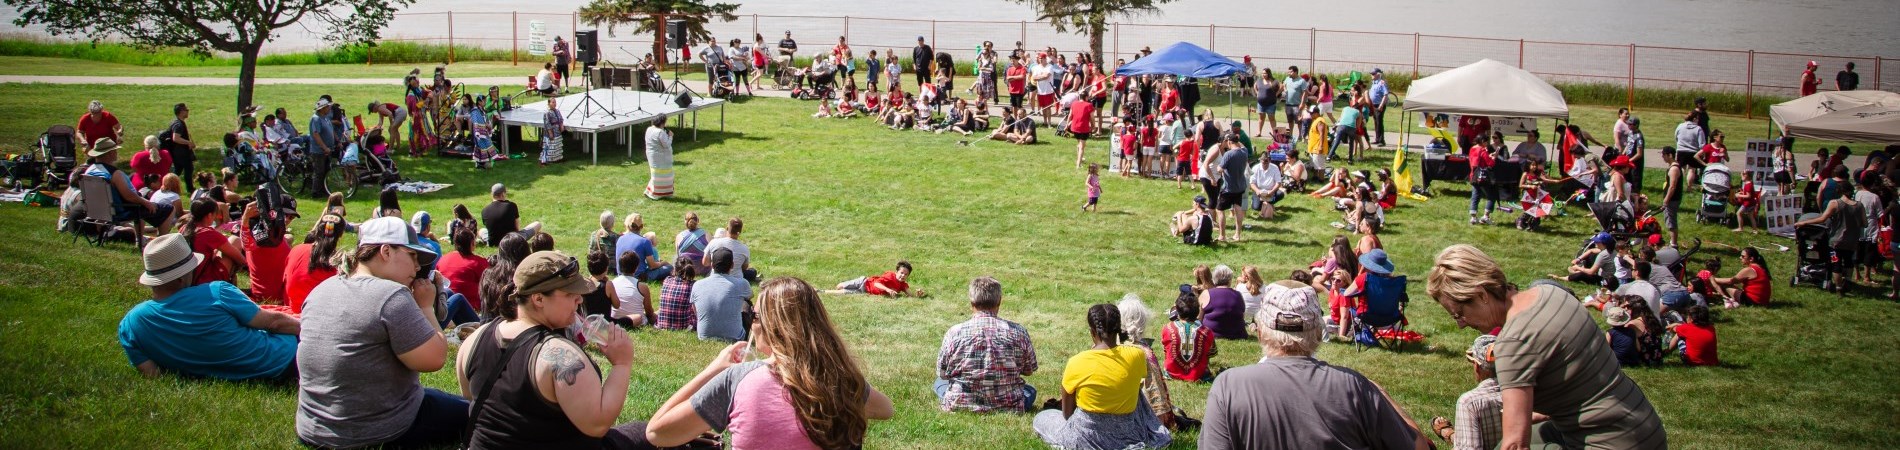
(205, 26)
(650, 16)
(1090, 17)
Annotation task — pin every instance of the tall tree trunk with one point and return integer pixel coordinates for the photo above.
(1096, 28)
(660, 55)
(247, 73)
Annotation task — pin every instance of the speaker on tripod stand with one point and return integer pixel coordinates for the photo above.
(587, 51)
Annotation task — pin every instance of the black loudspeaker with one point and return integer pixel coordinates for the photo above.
(676, 34)
(587, 46)
(683, 100)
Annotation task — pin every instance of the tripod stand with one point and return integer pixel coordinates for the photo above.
(588, 103)
(640, 103)
(677, 88)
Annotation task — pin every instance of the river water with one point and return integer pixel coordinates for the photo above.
(1834, 27)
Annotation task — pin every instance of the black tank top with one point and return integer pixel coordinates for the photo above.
(515, 415)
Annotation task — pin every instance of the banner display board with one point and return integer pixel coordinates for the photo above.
(1781, 212)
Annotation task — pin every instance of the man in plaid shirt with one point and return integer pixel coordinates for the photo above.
(983, 361)
(1480, 410)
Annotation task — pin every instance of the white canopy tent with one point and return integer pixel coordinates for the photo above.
(1487, 88)
(1876, 123)
(1809, 107)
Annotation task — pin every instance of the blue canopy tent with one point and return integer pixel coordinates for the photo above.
(1187, 60)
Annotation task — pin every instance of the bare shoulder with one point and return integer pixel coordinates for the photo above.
(562, 359)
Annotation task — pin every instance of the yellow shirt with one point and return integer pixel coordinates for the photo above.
(1106, 381)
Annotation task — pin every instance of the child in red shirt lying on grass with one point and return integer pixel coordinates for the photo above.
(888, 284)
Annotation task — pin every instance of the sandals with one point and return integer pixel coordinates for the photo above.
(1439, 425)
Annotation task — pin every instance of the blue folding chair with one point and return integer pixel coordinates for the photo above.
(1385, 300)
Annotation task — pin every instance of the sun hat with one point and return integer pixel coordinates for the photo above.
(1375, 261)
(549, 270)
(393, 231)
(1480, 352)
(321, 103)
(102, 147)
(167, 258)
(1616, 315)
(1621, 162)
(1289, 306)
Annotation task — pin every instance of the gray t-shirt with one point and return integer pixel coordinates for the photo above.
(1234, 175)
(353, 391)
(717, 301)
(714, 400)
(740, 253)
(1555, 349)
(1300, 403)
(1665, 282)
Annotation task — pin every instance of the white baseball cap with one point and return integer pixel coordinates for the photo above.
(393, 231)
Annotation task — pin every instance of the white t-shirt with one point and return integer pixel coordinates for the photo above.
(740, 254)
(1045, 79)
(164, 197)
(545, 79)
(1266, 178)
(630, 303)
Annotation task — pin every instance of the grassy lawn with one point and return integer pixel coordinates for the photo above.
(829, 200)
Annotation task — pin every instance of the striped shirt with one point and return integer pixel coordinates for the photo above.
(1555, 349)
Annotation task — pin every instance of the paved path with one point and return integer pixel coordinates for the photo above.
(1415, 140)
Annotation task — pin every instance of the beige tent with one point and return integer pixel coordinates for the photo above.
(1875, 123)
(1819, 104)
(1487, 88)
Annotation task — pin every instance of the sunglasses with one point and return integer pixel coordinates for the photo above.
(567, 270)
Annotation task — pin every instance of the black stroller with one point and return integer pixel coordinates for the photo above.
(59, 152)
(1715, 195)
(816, 85)
(1812, 255)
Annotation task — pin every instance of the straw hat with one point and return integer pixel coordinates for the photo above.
(167, 258)
(102, 147)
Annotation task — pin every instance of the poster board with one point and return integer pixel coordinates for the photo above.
(538, 37)
(1780, 212)
(1518, 126)
(1758, 161)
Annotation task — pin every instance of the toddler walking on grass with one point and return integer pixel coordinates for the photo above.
(1094, 184)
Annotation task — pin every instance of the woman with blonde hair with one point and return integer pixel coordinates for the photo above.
(1251, 286)
(1551, 358)
(811, 395)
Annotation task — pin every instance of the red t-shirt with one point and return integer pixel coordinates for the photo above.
(1172, 341)
(206, 241)
(1759, 288)
(1716, 154)
(97, 127)
(142, 165)
(1018, 76)
(1187, 151)
(888, 281)
(267, 268)
(1698, 345)
(1149, 136)
(1128, 143)
(464, 274)
(1168, 101)
(1479, 157)
(1081, 117)
(299, 280)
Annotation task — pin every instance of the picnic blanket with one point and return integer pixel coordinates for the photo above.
(420, 187)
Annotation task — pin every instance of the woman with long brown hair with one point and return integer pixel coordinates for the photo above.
(812, 394)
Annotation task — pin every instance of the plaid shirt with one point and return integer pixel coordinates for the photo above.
(984, 360)
(1480, 419)
(676, 305)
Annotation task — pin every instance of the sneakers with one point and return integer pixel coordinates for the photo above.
(1474, 220)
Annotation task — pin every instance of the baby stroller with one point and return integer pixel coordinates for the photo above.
(361, 165)
(250, 166)
(59, 152)
(724, 87)
(1812, 255)
(1715, 195)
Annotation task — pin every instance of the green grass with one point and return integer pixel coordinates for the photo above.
(828, 200)
(51, 66)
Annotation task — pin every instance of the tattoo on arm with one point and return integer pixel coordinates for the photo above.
(565, 364)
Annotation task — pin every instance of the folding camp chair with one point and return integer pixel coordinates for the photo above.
(96, 193)
(1384, 309)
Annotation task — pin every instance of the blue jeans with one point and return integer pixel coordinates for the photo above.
(942, 387)
(659, 274)
(1341, 133)
(1483, 191)
(460, 311)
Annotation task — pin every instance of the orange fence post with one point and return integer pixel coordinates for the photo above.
(847, 29)
(1520, 53)
(451, 15)
(1877, 73)
(1631, 103)
(1023, 35)
(514, 54)
(1118, 42)
(755, 24)
(1210, 37)
(1749, 98)
(1414, 56)
(933, 33)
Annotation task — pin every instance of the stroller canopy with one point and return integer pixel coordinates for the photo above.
(1183, 59)
(1487, 88)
